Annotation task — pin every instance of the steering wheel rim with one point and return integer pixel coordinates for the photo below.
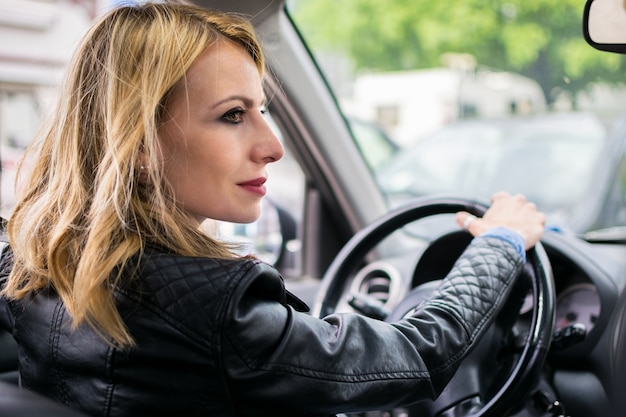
(527, 370)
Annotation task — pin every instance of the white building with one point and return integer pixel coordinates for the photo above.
(38, 38)
(412, 104)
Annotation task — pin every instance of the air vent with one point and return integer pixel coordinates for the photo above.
(379, 281)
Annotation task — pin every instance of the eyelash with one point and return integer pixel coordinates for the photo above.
(234, 116)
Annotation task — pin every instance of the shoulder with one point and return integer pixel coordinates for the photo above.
(155, 265)
(189, 294)
(188, 275)
(184, 288)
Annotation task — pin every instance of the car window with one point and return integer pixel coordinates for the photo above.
(477, 99)
(19, 117)
(375, 145)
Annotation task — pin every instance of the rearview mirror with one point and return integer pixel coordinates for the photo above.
(604, 25)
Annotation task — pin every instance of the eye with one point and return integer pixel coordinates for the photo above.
(234, 116)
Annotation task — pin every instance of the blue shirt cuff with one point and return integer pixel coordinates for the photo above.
(509, 236)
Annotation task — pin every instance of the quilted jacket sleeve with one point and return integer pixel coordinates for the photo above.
(278, 359)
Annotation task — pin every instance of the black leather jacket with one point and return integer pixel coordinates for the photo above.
(224, 338)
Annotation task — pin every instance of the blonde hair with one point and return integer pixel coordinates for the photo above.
(86, 205)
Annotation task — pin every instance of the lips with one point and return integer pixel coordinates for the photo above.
(255, 186)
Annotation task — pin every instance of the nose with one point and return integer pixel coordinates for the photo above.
(270, 148)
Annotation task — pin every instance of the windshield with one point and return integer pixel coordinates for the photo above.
(526, 156)
(470, 100)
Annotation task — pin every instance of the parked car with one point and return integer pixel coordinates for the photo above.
(560, 346)
(570, 164)
(373, 142)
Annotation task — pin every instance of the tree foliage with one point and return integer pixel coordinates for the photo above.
(541, 39)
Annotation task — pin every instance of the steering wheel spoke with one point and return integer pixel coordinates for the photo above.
(368, 306)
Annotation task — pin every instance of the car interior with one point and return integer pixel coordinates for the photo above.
(561, 341)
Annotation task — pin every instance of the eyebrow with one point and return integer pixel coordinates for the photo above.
(246, 100)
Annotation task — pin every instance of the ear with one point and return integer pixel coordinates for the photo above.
(142, 159)
(142, 166)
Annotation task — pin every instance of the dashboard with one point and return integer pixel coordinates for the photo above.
(586, 356)
(586, 277)
(577, 278)
(589, 343)
(589, 281)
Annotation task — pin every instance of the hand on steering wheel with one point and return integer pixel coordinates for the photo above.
(512, 212)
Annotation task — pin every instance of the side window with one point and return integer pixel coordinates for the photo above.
(19, 117)
(38, 38)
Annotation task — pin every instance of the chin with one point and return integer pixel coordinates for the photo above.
(243, 218)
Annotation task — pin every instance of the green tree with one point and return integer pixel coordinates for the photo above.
(541, 39)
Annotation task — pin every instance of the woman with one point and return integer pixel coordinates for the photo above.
(122, 306)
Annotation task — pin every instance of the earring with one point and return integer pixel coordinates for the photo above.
(142, 168)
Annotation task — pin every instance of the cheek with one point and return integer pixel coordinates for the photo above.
(187, 170)
(199, 171)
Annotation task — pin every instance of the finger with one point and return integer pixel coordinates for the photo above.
(465, 219)
(499, 196)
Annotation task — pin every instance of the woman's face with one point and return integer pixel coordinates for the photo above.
(215, 140)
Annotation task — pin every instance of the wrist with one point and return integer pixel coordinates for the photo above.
(510, 236)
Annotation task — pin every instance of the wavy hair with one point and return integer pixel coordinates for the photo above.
(86, 207)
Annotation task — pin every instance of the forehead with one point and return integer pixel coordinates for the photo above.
(224, 62)
(224, 70)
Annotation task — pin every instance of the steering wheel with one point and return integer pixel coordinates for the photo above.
(472, 391)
